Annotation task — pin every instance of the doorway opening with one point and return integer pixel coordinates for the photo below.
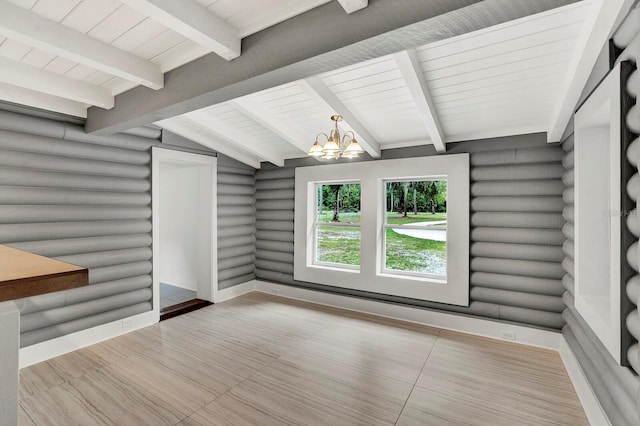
(184, 232)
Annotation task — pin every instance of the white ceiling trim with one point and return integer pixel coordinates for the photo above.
(270, 121)
(414, 78)
(39, 100)
(192, 130)
(315, 89)
(600, 22)
(351, 6)
(192, 20)
(33, 30)
(51, 83)
(229, 134)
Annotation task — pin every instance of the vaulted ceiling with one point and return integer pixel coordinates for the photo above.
(466, 75)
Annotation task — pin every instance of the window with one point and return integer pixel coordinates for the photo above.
(599, 221)
(415, 227)
(337, 236)
(371, 245)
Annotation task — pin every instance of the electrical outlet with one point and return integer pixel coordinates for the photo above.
(508, 335)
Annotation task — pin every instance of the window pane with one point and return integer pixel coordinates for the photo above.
(421, 204)
(339, 202)
(338, 244)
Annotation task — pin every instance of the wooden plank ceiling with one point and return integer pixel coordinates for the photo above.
(503, 80)
(67, 55)
(126, 27)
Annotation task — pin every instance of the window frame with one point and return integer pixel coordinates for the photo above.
(370, 277)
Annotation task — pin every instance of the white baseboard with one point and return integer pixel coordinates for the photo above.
(235, 291)
(480, 327)
(592, 408)
(61, 345)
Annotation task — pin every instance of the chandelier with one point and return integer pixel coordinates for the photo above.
(335, 147)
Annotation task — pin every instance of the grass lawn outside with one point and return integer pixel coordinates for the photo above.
(410, 254)
(393, 218)
(327, 216)
(341, 245)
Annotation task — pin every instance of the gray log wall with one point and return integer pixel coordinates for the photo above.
(628, 38)
(516, 229)
(84, 200)
(236, 222)
(617, 388)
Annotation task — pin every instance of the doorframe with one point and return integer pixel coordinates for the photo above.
(208, 204)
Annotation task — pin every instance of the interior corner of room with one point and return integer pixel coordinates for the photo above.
(430, 167)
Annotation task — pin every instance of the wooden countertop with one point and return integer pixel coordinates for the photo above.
(24, 274)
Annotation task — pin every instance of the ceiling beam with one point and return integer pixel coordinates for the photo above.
(600, 22)
(320, 40)
(351, 6)
(194, 21)
(413, 75)
(33, 30)
(229, 134)
(315, 88)
(51, 83)
(266, 118)
(195, 132)
(33, 99)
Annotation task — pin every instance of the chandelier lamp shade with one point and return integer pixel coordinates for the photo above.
(335, 146)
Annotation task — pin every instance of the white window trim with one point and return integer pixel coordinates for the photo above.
(598, 219)
(370, 278)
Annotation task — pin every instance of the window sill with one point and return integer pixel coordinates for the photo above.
(426, 280)
(348, 270)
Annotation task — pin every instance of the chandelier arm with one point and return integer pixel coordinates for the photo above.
(322, 134)
(353, 135)
(345, 142)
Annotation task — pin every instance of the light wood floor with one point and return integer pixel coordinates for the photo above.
(263, 360)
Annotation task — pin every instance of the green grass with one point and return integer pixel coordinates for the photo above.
(410, 254)
(341, 245)
(326, 216)
(393, 218)
(338, 244)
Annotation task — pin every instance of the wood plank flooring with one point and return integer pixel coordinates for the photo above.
(264, 360)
